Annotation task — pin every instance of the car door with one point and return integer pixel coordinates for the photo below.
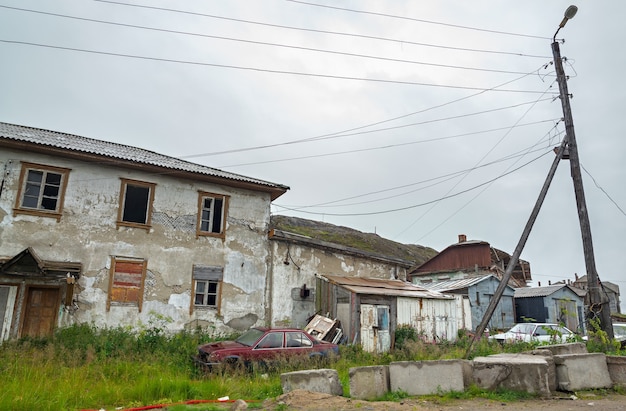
(268, 347)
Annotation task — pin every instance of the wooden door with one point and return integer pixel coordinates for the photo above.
(40, 312)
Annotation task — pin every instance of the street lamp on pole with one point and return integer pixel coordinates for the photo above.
(598, 307)
(569, 14)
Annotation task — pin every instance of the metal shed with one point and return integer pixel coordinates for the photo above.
(371, 309)
(559, 303)
(475, 293)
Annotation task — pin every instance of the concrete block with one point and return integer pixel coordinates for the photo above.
(323, 380)
(617, 369)
(562, 349)
(582, 371)
(369, 383)
(519, 372)
(428, 377)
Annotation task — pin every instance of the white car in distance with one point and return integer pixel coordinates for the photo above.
(535, 332)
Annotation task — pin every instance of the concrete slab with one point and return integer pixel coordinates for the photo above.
(428, 377)
(323, 380)
(519, 372)
(562, 349)
(582, 371)
(617, 369)
(369, 383)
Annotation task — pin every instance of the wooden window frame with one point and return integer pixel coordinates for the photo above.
(41, 212)
(115, 288)
(225, 201)
(122, 202)
(208, 274)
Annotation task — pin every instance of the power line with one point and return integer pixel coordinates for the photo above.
(602, 189)
(323, 31)
(187, 33)
(323, 136)
(429, 140)
(420, 20)
(463, 178)
(420, 204)
(435, 181)
(334, 136)
(294, 73)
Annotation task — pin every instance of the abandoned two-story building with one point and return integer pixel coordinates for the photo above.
(104, 233)
(112, 235)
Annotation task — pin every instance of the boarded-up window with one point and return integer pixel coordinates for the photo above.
(207, 280)
(126, 282)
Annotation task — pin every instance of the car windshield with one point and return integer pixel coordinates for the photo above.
(523, 328)
(619, 330)
(250, 337)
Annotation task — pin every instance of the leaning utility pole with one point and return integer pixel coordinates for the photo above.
(598, 307)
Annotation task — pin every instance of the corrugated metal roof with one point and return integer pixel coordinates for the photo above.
(377, 286)
(74, 143)
(538, 291)
(449, 285)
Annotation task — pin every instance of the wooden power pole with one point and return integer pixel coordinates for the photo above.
(598, 308)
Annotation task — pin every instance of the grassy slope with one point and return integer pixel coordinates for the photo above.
(349, 237)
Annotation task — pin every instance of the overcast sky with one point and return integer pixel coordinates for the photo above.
(417, 120)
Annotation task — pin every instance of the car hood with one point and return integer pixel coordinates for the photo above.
(221, 345)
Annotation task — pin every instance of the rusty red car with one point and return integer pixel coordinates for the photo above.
(264, 345)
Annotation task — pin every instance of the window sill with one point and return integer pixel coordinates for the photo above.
(146, 227)
(37, 213)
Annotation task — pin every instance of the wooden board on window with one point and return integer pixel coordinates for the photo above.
(126, 285)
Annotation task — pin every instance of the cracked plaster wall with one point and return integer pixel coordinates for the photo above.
(87, 233)
(304, 263)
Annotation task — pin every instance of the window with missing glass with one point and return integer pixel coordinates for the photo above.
(136, 198)
(41, 190)
(207, 282)
(212, 211)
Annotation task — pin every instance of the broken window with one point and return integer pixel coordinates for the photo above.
(136, 199)
(126, 281)
(42, 190)
(206, 285)
(212, 210)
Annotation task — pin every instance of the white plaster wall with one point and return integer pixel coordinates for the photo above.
(304, 263)
(87, 233)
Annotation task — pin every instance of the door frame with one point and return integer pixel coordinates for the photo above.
(25, 308)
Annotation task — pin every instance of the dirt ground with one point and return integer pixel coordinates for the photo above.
(305, 400)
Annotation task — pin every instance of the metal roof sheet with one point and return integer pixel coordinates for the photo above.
(74, 143)
(538, 291)
(449, 285)
(378, 286)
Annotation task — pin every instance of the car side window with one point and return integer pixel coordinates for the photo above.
(298, 339)
(542, 330)
(272, 340)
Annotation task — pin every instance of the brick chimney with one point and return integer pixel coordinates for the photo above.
(462, 238)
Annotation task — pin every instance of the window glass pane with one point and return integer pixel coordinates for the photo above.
(49, 203)
(51, 191)
(212, 287)
(200, 286)
(199, 299)
(31, 196)
(34, 176)
(53, 179)
(207, 203)
(212, 300)
(217, 216)
(136, 204)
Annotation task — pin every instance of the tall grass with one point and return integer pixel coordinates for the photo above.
(82, 367)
